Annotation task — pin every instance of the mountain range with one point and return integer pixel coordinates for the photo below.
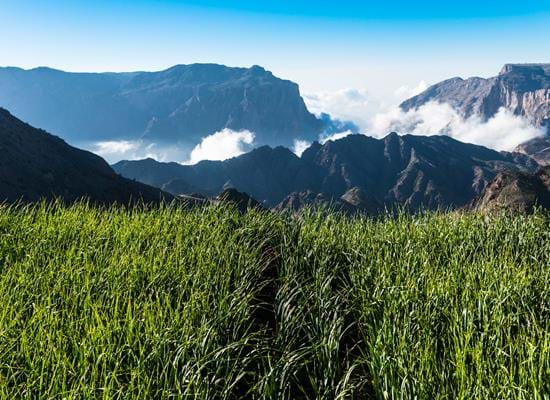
(523, 89)
(412, 171)
(179, 105)
(185, 103)
(36, 165)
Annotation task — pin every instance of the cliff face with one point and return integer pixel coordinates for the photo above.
(179, 105)
(524, 89)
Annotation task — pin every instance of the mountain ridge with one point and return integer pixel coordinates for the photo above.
(516, 191)
(414, 171)
(181, 104)
(524, 89)
(36, 165)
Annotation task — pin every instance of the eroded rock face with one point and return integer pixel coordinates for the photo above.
(35, 165)
(516, 191)
(179, 105)
(524, 89)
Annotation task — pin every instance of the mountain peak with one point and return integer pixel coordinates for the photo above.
(257, 69)
(177, 106)
(363, 172)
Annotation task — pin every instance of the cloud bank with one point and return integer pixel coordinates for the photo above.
(503, 131)
(346, 105)
(221, 146)
(377, 118)
(218, 146)
(116, 150)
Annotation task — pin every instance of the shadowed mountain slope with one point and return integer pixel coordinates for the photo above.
(36, 165)
(516, 191)
(413, 171)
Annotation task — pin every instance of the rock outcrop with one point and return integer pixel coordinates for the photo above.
(516, 191)
(538, 149)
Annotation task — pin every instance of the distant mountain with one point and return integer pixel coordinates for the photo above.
(352, 202)
(524, 89)
(356, 171)
(36, 165)
(516, 191)
(267, 174)
(179, 105)
(242, 201)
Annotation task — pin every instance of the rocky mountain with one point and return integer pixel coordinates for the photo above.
(179, 105)
(537, 148)
(36, 165)
(516, 191)
(267, 174)
(523, 89)
(357, 171)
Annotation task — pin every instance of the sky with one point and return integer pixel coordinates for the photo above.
(374, 46)
(353, 59)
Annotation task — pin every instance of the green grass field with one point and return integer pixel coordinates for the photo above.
(210, 304)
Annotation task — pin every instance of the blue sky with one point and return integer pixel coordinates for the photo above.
(323, 45)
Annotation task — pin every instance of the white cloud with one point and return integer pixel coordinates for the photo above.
(377, 118)
(406, 92)
(221, 146)
(347, 105)
(300, 146)
(114, 147)
(116, 150)
(323, 139)
(503, 131)
(218, 146)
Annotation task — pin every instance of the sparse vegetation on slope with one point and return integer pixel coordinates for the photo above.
(211, 304)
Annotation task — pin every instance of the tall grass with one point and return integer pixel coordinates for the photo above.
(210, 304)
